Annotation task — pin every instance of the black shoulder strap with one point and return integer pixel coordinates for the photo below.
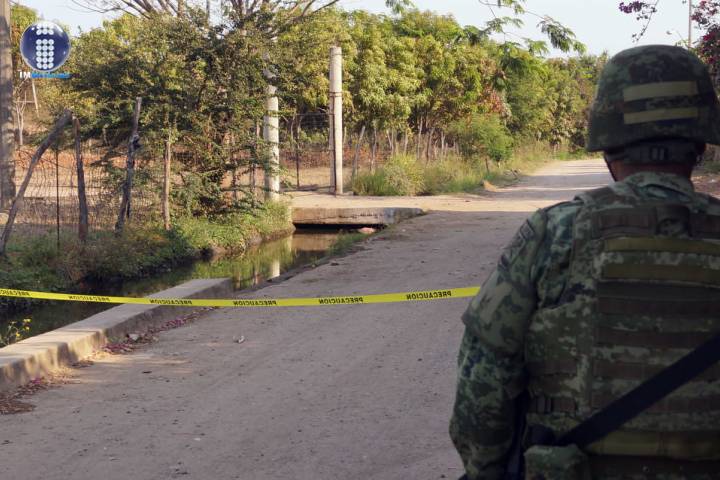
(644, 396)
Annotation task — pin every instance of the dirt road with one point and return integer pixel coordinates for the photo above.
(344, 392)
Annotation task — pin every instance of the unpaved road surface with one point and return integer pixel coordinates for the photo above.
(342, 392)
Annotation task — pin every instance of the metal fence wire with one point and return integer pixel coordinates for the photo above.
(51, 200)
(307, 156)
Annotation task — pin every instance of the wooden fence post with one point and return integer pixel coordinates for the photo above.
(133, 144)
(167, 158)
(57, 193)
(356, 157)
(17, 201)
(82, 197)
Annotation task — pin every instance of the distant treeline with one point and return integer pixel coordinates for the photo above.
(413, 76)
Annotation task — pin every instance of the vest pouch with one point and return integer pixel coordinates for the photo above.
(556, 463)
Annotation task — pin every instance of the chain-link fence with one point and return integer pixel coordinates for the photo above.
(51, 201)
(306, 155)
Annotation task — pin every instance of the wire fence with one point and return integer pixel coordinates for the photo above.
(51, 202)
(306, 158)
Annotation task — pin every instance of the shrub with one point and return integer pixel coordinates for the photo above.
(483, 137)
(36, 264)
(452, 174)
(370, 183)
(401, 175)
(236, 231)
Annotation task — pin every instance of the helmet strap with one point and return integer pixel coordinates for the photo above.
(656, 152)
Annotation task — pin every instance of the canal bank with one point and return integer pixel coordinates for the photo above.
(64, 264)
(258, 264)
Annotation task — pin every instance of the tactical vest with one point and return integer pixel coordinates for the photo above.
(643, 289)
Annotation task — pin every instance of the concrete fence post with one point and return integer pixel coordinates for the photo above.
(336, 118)
(271, 135)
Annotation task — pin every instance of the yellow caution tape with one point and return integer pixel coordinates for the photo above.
(254, 302)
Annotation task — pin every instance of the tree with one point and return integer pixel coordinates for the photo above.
(383, 77)
(559, 35)
(705, 14)
(302, 66)
(22, 17)
(482, 137)
(7, 144)
(196, 84)
(273, 15)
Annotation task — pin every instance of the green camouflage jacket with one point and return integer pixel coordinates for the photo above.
(530, 275)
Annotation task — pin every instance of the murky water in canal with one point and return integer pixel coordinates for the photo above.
(258, 264)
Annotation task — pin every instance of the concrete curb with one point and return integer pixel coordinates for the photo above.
(37, 356)
(353, 215)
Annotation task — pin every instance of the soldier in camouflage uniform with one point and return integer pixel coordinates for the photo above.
(595, 295)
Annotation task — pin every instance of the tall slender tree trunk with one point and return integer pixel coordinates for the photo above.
(82, 197)
(7, 130)
(20, 117)
(428, 146)
(419, 141)
(297, 149)
(125, 204)
(373, 151)
(234, 163)
(405, 142)
(35, 97)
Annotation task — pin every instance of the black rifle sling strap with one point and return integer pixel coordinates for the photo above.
(644, 396)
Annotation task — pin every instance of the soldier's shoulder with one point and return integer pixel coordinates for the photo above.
(712, 202)
(561, 212)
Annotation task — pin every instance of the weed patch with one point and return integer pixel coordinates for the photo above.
(36, 263)
(345, 243)
(403, 175)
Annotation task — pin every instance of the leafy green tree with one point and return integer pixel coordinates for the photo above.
(483, 137)
(383, 76)
(21, 17)
(197, 83)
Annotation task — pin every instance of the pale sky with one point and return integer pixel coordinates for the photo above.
(597, 23)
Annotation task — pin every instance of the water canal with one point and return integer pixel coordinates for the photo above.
(257, 265)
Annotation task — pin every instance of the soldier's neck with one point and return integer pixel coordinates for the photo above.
(621, 170)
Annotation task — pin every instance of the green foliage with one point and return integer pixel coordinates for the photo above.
(203, 86)
(483, 137)
(453, 175)
(414, 73)
(372, 184)
(36, 263)
(21, 18)
(136, 253)
(14, 332)
(401, 175)
(234, 232)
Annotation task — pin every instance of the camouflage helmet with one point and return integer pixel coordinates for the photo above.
(650, 93)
